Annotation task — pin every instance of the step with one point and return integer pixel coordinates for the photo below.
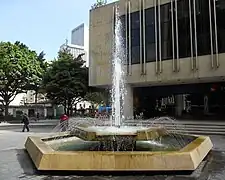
(179, 125)
(196, 129)
(175, 124)
(187, 126)
(201, 132)
(178, 122)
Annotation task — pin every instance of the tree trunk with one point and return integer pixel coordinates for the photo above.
(35, 98)
(69, 108)
(35, 101)
(6, 106)
(67, 112)
(65, 108)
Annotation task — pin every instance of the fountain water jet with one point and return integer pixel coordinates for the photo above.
(118, 90)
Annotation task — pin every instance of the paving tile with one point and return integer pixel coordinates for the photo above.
(15, 163)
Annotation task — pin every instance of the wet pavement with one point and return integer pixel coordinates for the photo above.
(15, 163)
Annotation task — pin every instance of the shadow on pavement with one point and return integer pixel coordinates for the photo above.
(26, 162)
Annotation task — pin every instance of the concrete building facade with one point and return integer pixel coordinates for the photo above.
(173, 47)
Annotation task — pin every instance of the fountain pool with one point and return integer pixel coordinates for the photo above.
(99, 148)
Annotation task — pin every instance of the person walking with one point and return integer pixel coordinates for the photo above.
(64, 122)
(25, 121)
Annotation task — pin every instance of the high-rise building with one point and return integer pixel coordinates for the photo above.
(80, 37)
(173, 50)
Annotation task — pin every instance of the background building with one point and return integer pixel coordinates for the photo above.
(30, 97)
(80, 37)
(79, 45)
(175, 53)
(75, 50)
(79, 42)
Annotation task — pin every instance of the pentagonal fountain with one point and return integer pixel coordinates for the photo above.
(115, 146)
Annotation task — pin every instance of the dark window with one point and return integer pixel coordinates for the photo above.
(183, 28)
(184, 47)
(202, 17)
(204, 44)
(135, 54)
(150, 34)
(165, 13)
(221, 40)
(166, 50)
(150, 52)
(220, 13)
(203, 29)
(182, 8)
(184, 37)
(122, 19)
(135, 20)
(166, 32)
(135, 38)
(149, 16)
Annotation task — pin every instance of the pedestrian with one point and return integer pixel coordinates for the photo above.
(64, 122)
(25, 121)
(38, 115)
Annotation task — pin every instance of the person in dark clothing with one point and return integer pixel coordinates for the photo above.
(38, 115)
(25, 121)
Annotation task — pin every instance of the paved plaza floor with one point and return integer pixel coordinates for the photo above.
(15, 163)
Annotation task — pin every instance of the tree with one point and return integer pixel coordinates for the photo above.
(18, 69)
(99, 3)
(36, 86)
(66, 81)
(97, 97)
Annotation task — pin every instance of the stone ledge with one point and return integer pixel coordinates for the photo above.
(89, 134)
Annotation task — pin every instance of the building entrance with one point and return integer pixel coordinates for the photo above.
(193, 101)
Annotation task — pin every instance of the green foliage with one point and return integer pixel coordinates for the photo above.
(99, 3)
(37, 85)
(97, 97)
(66, 80)
(18, 69)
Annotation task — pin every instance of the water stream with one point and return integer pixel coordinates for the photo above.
(118, 82)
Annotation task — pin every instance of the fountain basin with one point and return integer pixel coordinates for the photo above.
(47, 158)
(95, 133)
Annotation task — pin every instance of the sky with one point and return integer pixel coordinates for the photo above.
(42, 24)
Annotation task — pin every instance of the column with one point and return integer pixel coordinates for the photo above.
(14, 112)
(206, 104)
(128, 102)
(54, 112)
(45, 112)
(179, 104)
